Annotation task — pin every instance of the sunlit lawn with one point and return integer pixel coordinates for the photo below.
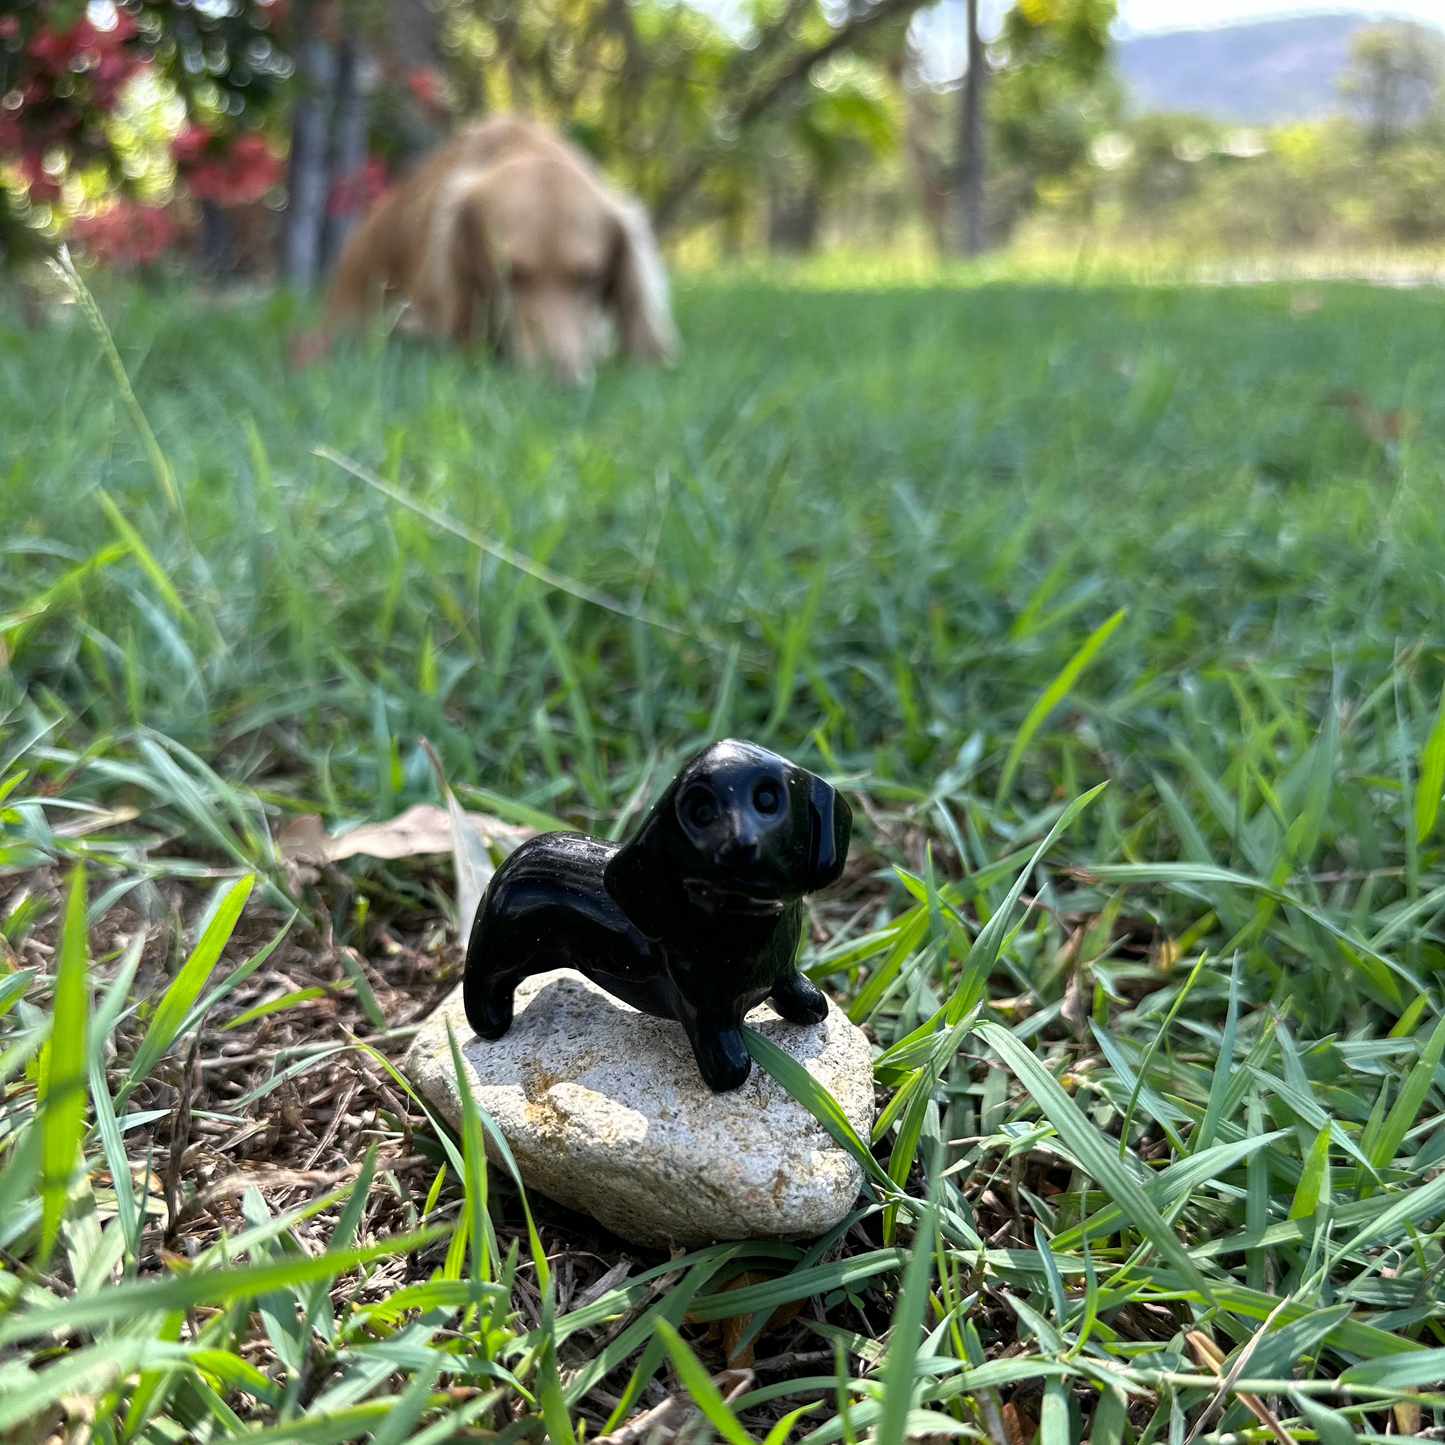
(971, 549)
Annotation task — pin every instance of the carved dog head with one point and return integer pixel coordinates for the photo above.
(741, 831)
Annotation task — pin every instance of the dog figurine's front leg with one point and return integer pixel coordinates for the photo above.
(717, 1045)
(799, 1000)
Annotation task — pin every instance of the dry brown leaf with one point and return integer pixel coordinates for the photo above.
(1379, 426)
(731, 1330)
(1021, 1424)
(422, 829)
(1408, 1417)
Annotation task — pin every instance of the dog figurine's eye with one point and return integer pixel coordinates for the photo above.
(701, 810)
(765, 798)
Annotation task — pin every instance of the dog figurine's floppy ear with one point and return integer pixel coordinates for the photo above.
(830, 827)
(636, 874)
(638, 288)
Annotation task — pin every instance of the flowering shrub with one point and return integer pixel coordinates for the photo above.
(126, 233)
(66, 131)
(58, 86)
(230, 173)
(426, 86)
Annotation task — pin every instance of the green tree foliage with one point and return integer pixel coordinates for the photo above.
(1360, 180)
(1052, 93)
(680, 109)
(1410, 194)
(1394, 77)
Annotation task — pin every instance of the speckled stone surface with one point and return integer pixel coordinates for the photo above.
(605, 1112)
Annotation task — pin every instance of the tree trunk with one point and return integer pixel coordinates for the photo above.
(347, 196)
(971, 158)
(793, 218)
(413, 53)
(218, 240)
(309, 181)
(932, 174)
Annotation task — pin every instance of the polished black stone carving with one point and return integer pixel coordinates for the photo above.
(696, 919)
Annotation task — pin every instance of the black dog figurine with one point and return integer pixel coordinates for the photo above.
(696, 919)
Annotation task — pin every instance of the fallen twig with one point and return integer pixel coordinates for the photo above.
(1211, 1358)
(239, 1183)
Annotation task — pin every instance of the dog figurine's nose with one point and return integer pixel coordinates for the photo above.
(743, 848)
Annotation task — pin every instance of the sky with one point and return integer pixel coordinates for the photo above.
(1136, 16)
(1139, 16)
(938, 30)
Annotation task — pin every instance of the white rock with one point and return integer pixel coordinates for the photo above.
(605, 1112)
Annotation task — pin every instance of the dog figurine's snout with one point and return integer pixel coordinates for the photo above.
(743, 847)
(697, 918)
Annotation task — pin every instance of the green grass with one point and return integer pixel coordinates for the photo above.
(1162, 1062)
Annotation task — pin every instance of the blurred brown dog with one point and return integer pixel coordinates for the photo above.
(509, 236)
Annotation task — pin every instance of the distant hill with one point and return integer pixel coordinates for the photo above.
(1267, 72)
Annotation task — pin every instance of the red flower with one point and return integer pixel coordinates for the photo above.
(425, 84)
(243, 175)
(52, 49)
(190, 144)
(9, 27)
(84, 50)
(126, 234)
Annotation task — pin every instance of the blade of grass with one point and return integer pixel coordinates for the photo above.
(1096, 1153)
(1410, 1100)
(186, 988)
(202, 1287)
(70, 277)
(144, 556)
(62, 1109)
(475, 1154)
(1432, 777)
(1052, 696)
(705, 1395)
(903, 1337)
(501, 552)
(816, 1099)
(986, 947)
